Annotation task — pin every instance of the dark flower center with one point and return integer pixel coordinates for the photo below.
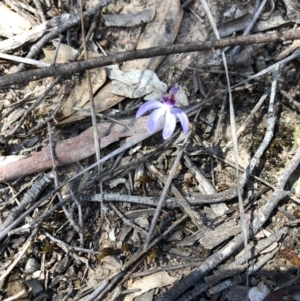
(169, 99)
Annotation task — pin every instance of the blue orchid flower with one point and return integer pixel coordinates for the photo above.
(165, 108)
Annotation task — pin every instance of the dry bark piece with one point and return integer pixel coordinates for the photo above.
(12, 23)
(213, 238)
(74, 149)
(161, 31)
(129, 20)
(30, 35)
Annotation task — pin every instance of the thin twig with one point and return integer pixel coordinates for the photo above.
(268, 135)
(180, 199)
(35, 49)
(164, 192)
(126, 221)
(30, 196)
(70, 248)
(252, 269)
(248, 119)
(34, 105)
(66, 212)
(250, 25)
(56, 52)
(27, 61)
(233, 133)
(80, 220)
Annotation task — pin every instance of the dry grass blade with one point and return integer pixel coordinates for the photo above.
(233, 131)
(92, 103)
(164, 193)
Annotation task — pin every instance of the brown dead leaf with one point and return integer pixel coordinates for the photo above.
(79, 96)
(65, 54)
(160, 31)
(291, 256)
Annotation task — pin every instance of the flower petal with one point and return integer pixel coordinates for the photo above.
(148, 106)
(170, 125)
(182, 118)
(154, 119)
(173, 90)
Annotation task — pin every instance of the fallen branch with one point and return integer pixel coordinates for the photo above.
(74, 149)
(30, 196)
(78, 66)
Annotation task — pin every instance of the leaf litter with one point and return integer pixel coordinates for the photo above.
(67, 270)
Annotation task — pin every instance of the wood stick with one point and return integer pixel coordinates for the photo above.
(71, 68)
(73, 149)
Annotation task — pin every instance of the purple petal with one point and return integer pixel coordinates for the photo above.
(170, 125)
(148, 106)
(154, 119)
(173, 90)
(182, 118)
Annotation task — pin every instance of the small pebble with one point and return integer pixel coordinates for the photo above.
(32, 265)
